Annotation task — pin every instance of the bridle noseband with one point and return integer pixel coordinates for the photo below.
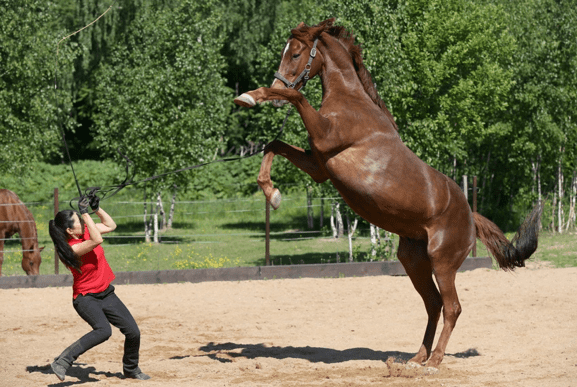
(304, 75)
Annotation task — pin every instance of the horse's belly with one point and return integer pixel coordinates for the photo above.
(394, 196)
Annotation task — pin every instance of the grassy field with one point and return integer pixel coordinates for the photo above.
(227, 233)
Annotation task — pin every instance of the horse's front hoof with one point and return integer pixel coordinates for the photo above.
(245, 100)
(275, 199)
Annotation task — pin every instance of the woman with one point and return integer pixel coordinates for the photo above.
(78, 243)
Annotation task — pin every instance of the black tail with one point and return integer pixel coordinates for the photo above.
(510, 254)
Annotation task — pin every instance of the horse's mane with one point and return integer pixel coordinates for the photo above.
(347, 40)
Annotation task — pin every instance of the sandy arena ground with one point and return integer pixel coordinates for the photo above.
(516, 329)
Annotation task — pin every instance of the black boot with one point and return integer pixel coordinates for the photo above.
(137, 374)
(59, 367)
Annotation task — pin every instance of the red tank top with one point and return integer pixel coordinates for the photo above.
(96, 273)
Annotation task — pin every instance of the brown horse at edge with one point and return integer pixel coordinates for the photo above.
(355, 143)
(15, 217)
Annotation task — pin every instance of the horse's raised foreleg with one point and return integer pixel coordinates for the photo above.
(301, 158)
(413, 255)
(314, 122)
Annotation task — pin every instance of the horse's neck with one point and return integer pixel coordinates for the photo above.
(340, 73)
(27, 228)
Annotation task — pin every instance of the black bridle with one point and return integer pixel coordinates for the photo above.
(304, 75)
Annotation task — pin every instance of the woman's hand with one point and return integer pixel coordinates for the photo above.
(94, 202)
(83, 205)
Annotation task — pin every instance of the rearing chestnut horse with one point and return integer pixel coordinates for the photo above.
(15, 217)
(354, 143)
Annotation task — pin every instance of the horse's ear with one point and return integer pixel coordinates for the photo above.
(42, 248)
(327, 23)
(301, 24)
(317, 30)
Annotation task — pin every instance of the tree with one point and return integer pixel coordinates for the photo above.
(161, 98)
(31, 110)
(543, 99)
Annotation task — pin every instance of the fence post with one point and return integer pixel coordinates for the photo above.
(56, 258)
(267, 235)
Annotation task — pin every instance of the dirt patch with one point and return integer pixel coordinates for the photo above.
(516, 329)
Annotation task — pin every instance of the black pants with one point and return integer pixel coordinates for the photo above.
(100, 310)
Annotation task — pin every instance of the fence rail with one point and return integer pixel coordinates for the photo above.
(131, 214)
(333, 270)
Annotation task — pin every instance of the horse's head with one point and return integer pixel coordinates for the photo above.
(300, 59)
(31, 260)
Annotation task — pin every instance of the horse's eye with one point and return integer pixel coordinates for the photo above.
(295, 56)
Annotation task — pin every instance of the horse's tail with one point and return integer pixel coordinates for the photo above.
(510, 254)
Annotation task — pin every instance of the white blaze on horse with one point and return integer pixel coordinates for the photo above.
(16, 218)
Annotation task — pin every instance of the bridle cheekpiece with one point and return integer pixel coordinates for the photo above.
(304, 75)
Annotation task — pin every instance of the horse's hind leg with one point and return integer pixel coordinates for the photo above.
(413, 255)
(299, 157)
(451, 310)
(446, 258)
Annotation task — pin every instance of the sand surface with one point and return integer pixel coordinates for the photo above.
(516, 329)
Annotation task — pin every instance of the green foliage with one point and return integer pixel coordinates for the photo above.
(30, 108)
(161, 98)
(477, 87)
(39, 186)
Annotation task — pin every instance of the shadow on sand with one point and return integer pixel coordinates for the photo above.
(312, 354)
(78, 373)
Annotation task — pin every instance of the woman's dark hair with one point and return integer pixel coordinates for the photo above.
(57, 229)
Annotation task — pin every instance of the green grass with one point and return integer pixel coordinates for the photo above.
(558, 249)
(228, 233)
(209, 234)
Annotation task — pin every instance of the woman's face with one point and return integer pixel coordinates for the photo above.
(76, 231)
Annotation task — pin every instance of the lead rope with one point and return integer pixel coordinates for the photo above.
(60, 125)
(104, 191)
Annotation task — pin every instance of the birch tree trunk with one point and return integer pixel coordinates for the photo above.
(155, 223)
(155, 237)
(560, 193)
(340, 224)
(539, 193)
(572, 199)
(310, 214)
(337, 221)
(160, 212)
(374, 242)
(534, 169)
(391, 244)
(146, 225)
(333, 225)
(350, 231)
(554, 209)
(171, 212)
(322, 211)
